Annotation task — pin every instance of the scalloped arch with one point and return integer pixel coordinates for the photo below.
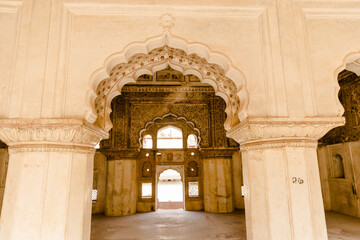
(177, 168)
(156, 54)
(351, 62)
(190, 123)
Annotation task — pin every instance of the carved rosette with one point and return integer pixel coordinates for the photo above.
(50, 135)
(260, 133)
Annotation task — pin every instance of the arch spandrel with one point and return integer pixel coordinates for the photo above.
(157, 54)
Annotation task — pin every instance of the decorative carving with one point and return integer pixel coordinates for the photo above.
(170, 117)
(139, 107)
(303, 143)
(147, 169)
(218, 153)
(192, 170)
(120, 154)
(167, 55)
(349, 97)
(167, 22)
(169, 157)
(50, 134)
(176, 156)
(289, 131)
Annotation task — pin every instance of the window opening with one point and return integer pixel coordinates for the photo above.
(169, 137)
(192, 141)
(94, 195)
(193, 189)
(146, 190)
(147, 142)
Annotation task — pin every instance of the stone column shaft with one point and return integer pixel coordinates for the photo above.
(283, 197)
(49, 180)
(121, 194)
(218, 195)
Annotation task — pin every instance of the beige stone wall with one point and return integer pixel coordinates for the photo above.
(341, 194)
(121, 192)
(4, 159)
(99, 182)
(218, 193)
(237, 180)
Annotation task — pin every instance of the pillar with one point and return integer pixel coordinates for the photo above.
(237, 180)
(218, 195)
(49, 179)
(121, 193)
(99, 182)
(4, 160)
(283, 197)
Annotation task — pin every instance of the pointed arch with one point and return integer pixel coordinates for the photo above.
(157, 54)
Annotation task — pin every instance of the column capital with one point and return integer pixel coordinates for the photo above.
(256, 133)
(34, 135)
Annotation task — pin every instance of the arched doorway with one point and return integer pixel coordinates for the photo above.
(170, 187)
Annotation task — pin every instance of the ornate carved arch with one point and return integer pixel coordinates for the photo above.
(177, 168)
(156, 54)
(180, 119)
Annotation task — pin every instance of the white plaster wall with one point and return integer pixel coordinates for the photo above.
(289, 51)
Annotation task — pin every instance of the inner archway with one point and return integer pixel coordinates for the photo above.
(185, 86)
(160, 53)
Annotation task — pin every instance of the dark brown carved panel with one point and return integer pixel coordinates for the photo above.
(192, 170)
(140, 104)
(147, 169)
(349, 96)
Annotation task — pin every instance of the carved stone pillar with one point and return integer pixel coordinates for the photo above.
(281, 177)
(49, 180)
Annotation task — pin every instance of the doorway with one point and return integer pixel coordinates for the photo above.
(170, 187)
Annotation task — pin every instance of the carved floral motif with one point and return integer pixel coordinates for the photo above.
(173, 56)
(49, 134)
(278, 132)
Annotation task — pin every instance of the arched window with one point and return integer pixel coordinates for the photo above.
(169, 137)
(147, 142)
(192, 141)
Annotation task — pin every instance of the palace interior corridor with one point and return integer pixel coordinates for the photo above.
(163, 119)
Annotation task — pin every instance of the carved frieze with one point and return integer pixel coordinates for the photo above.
(50, 134)
(288, 132)
(112, 154)
(218, 153)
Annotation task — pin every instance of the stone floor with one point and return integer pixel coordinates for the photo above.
(182, 225)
